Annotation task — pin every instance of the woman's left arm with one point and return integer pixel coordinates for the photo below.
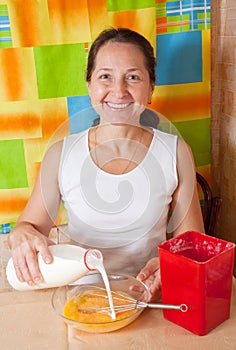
(185, 208)
(185, 214)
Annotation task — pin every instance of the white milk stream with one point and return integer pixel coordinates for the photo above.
(95, 260)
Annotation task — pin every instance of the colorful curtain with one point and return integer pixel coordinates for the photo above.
(43, 51)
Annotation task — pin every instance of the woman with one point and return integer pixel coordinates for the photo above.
(123, 185)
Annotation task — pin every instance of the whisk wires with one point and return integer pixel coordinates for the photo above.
(96, 300)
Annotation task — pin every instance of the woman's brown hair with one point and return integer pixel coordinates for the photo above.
(122, 35)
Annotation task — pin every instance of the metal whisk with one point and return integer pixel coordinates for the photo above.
(126, 303)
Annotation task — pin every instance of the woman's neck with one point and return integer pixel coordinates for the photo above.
(118, 149)
(106, 132)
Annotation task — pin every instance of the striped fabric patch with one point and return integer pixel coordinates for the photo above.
(182, 15)
(5, 32)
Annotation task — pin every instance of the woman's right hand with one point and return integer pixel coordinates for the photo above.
(25, 243)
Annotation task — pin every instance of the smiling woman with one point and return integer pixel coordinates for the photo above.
(120, 91)
(120, 75)
(123, 184)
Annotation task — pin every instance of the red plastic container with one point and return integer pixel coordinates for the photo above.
(197, 270)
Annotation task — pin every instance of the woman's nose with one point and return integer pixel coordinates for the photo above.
(119, 88)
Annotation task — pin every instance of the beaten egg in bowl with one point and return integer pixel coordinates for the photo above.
(85, 305)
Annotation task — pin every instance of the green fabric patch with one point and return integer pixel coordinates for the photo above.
(124, 5)
(6, 45)
(12, 165)
(197, 134)
(4, 33)
(60, 70)
(160, 10)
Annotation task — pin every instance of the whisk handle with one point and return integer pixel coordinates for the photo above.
(181, 307)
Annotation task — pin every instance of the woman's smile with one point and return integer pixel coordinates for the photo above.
(117, 106)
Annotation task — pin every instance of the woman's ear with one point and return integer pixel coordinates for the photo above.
(88, 86)
(150, 94)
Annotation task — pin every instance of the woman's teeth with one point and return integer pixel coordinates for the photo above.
(117, 105)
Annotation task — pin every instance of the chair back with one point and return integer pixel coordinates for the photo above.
(210, 206)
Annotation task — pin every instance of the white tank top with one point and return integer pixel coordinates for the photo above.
(124, 216)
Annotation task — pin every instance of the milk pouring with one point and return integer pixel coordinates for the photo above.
(70, 262)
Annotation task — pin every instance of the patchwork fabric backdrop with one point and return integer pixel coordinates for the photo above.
(43, 51)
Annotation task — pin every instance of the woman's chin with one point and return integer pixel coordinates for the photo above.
(121, 118)
(122, 122)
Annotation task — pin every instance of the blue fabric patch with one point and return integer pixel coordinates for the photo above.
(179, 58)
(81, 113)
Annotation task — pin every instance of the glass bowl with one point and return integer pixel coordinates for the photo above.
(121, 283)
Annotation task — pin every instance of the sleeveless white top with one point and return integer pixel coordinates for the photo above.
(124, 216)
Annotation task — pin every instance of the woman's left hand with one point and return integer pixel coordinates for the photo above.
(150, 275)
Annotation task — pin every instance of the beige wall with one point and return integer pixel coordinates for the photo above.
(223, 128)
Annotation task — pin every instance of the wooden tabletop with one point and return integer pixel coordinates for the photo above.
(28, 322)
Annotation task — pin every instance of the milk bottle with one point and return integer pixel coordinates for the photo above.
(70, 262)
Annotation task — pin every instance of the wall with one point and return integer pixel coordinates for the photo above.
(223, 122)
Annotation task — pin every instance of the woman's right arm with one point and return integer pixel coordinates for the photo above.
(30, 235)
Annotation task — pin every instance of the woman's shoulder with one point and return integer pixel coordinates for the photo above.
(165, 137)
(55, 147)
(184, 148)
(75, 137)
(53, 153)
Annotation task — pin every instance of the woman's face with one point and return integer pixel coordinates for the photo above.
(120, 86)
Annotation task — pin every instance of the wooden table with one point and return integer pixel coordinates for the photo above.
(28, 322)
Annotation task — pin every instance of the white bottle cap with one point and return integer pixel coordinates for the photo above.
(92, 259)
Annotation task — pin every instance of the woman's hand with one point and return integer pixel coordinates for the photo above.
(25, 242)
(150, 275)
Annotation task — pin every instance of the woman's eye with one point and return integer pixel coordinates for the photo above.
(133, 77)
(104, 76)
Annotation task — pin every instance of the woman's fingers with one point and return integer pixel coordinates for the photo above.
(149, 269)
(26, 265)
(32, 273)
(42, 248)
(22, 271)
(33, 268)
(19, 274)
(25, 248)
(150, 275)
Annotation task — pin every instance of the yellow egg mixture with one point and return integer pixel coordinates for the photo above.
(75, 308)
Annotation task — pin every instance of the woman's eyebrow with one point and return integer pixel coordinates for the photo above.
(104, 68)
(129, 70)
(134, 70)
